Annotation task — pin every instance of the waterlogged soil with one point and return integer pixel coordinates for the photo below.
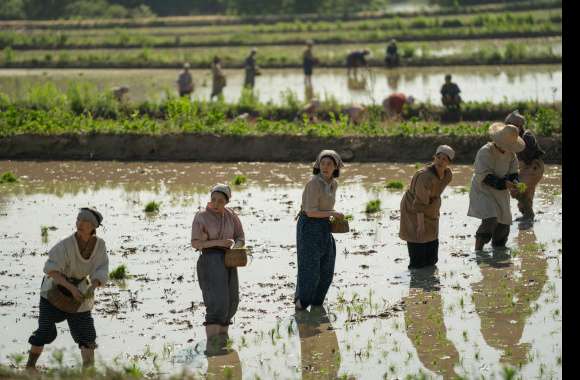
(473, 315)
(496, 84)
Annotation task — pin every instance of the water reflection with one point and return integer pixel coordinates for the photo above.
(516, 82)
(320, 354)
(425, 325)
(393, 81)
(224, 365)
(503, 298)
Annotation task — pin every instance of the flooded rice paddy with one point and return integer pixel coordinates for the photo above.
(496, 84)
(471, 317)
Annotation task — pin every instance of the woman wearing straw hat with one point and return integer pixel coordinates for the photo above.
(213, 230)
(495, 175)
(76, 266)
(314, 241)
(419, 222)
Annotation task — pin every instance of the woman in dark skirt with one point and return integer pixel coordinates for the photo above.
(314, 241)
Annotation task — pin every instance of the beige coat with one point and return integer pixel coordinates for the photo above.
(486, 201)
(423, 196)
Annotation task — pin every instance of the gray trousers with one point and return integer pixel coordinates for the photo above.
(219, 287)
(490, 229)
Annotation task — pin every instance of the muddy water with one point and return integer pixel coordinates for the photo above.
(482, 83)
(472, 316)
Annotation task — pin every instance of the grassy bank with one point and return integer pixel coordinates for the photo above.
(81, 109)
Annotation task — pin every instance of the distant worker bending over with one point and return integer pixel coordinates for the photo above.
(356, 59)
(185, 82)
(450, 94)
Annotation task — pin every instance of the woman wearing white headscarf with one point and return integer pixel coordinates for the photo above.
(213, 230)
(314, 241)
(495, 175)
(76, 266)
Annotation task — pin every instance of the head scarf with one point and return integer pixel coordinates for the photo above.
(329, 153)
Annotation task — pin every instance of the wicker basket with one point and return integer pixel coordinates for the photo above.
(61, 301)
(236, 257)
(339, 226)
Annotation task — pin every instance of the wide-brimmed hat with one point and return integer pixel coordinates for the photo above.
(329, 153)
(507, 137)
(516, 119)
(224, 189)
(186, 65)
(446, 150)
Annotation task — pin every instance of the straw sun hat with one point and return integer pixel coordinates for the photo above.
(506, 136)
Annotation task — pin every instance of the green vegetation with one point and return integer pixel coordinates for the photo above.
(454, 52)
(119, 273)
(522, 187)
(373, 206)
(491, 25)
(79, 9)
(152, 206)
(83, 109)
(8, 177)
(239, 179)
(394, 184)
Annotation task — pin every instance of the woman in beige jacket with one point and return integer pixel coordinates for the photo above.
(420, 205)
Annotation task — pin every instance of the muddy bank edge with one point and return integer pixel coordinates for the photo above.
(274, 148)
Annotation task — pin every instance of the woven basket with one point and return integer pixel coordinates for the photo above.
(339, 226)
(61, 301)
(236, 257)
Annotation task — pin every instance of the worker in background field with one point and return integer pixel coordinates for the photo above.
(185, 82)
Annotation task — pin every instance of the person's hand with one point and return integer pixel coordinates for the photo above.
(337, 215)
(96, 283)
(510, 186)
(420, 227)
(227, 243)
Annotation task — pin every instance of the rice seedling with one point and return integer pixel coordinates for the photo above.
(395, 184)
(119, 273)
(373, 206)
(152, 206)
(239, 180)
(8, 177)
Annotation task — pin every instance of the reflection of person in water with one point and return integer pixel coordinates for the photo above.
(425, 326)
(318, 344)
(393, 81)
(224, 365)
(504, 296)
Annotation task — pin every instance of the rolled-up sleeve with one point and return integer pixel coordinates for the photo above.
(483, 165)
(311, 196)
(514, 165)
(238, 229)
(101, 271)
(56, 259)
(422, 193)
(197, 228)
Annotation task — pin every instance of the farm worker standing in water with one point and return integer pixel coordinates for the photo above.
(419, 222)
(450, 94)
(75, 267)
(185, 82)
(495, 176)
(214, 230)
(218, 78)
(308, 62)
(314, 241)
(251, 69)
(531, 170)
